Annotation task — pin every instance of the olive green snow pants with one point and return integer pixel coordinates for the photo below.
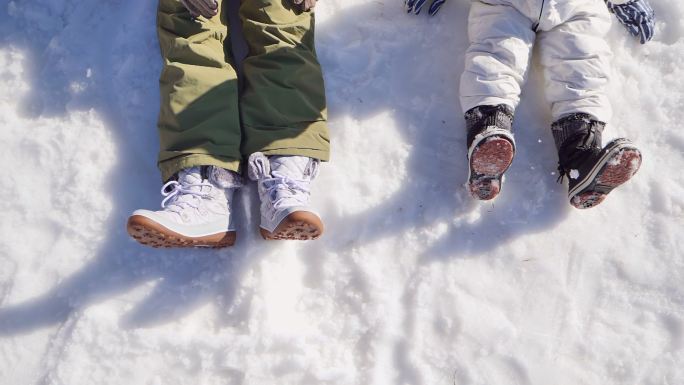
(205, 120)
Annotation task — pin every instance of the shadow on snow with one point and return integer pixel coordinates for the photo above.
(124, 93)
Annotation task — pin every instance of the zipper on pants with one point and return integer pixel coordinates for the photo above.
(541, 12)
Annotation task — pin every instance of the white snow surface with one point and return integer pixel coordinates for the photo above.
(413, 283)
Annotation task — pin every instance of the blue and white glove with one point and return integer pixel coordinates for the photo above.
(414, 6)
(636, 15)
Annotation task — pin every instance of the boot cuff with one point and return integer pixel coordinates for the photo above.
(481, 117)
(574, 125)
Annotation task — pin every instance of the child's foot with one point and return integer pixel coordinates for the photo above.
(283, 183)
(592, 171)
(195, 212)
(491, 148)
(599, 172)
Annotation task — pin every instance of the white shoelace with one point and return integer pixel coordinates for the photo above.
(281, 188)
(174, 192)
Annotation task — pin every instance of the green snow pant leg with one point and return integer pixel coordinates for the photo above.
(283, 103)
(199, 121)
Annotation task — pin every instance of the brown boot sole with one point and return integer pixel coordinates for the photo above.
(299, 226)
(151, 233)
(618, 170)
(487, 164)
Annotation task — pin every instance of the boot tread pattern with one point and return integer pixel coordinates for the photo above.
(298, 226)
(488, 162)
(619, 168)
(151, 234)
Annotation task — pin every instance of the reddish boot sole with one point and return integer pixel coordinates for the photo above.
(488, 162)
(620, 168)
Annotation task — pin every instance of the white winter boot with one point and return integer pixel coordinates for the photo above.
(283, 183)
(196, 211)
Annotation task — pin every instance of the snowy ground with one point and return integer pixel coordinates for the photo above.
(414, 283)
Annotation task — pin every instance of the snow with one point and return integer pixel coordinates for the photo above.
(413, 283)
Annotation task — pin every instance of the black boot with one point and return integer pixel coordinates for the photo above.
(593, 171)
(491, 148)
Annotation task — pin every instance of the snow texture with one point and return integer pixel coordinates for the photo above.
(414, 282)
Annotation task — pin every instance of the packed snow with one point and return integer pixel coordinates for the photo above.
(413, 283)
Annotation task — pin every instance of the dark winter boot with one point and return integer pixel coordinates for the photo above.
(491, 148)
(592, 171)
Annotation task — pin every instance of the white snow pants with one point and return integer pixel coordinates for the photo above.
(570, 35)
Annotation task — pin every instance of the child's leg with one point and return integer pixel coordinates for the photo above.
(496, 63)
(199, 131)
(576, 61)
(284, 116)
(501, 40)
(199, 120)
(576, 58)
(283, 103)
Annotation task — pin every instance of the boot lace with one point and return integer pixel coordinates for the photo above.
(284, 191)
(180, 195)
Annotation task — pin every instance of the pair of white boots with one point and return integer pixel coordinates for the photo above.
(197, 212)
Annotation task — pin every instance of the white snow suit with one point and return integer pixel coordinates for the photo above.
(574, 54)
